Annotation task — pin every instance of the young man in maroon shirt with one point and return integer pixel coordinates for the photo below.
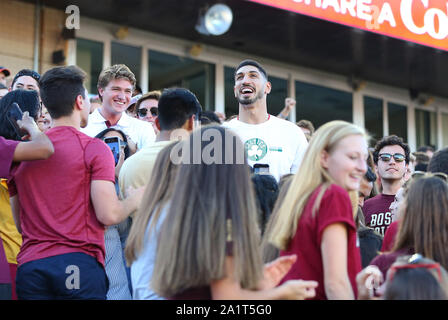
(391, 157)
(66, 201)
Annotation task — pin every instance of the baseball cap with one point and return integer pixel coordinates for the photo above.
(5, 71)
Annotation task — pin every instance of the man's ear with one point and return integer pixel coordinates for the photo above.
(157, 122)
(79, 102)
(268, 88)
(324, 159)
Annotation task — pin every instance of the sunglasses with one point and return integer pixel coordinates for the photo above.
(386, 157)
(144, 111)
(421, 174)
(414, 262)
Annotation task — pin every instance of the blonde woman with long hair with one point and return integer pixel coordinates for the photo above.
(316, 220)
(208, 246)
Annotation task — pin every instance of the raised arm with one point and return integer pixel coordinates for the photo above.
(40, 147)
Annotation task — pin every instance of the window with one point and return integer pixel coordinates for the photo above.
(398, 120)
(128, 55)
(167, 70)
(320, 104)
(373, 113)
(444, 130)
(426, 127)
(89, 57)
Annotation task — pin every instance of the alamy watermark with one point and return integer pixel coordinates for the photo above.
(73, 280)
(72, 21)
(206, 147)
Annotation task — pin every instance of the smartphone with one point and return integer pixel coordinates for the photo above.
(114, 145)
(261, 168)
(13, 114)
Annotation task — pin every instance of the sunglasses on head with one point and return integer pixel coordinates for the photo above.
(415, 262)
(386, 157)
(144, 111)
(421, 174)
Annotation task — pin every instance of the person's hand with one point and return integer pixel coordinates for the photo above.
(275, 271)
(120, 163)
(367, 280)
(298, 289)
(135, 195)
(132, 146)
(290, 103)
(28, 124)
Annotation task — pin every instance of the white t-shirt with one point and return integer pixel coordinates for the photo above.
(279, 143)
(140, 132)
(142, 268)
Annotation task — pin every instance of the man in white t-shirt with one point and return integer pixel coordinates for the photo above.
(115, 86)
(267, 139)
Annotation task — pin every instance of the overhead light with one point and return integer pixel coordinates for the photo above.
(215, 21)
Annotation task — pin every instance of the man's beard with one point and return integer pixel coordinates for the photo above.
(250, 100)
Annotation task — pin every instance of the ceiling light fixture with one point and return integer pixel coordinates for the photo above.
(215, 20)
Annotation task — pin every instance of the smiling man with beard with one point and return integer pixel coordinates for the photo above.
(391, 157)
(267, 139)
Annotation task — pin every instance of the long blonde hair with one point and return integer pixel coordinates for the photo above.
(157, 194)
(311, 175)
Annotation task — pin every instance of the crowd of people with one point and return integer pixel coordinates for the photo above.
(130, 195)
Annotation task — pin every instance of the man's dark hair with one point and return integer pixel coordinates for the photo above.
(266, 191)
(425, 149)
(209, 117)
(26, 72)
(254, 63)
(392, 140)
(59, 88)
(28, 100)
(177, 105)
(439, 161)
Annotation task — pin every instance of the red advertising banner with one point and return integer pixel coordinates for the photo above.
(420, 21)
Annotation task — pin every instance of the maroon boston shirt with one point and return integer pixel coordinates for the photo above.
(377, 213)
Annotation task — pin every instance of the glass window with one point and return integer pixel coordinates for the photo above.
(444, 130)
(426, 127)
(128, 55)
(89, 57)
(167, 70)
(231, 104)
(398, 120)
(373, 114)
(279, 92)
(320, 104)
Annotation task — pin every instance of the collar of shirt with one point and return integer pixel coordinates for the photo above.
(124, 121)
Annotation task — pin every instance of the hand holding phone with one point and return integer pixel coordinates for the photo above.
(14, 114)
(114, 145)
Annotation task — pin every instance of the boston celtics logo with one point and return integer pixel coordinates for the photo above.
(256, 149)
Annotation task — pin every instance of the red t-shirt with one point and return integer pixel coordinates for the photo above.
(56, 213)
(377, 213)
(389, 237)
(386, 260)
(335, 207)
(7, 148)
